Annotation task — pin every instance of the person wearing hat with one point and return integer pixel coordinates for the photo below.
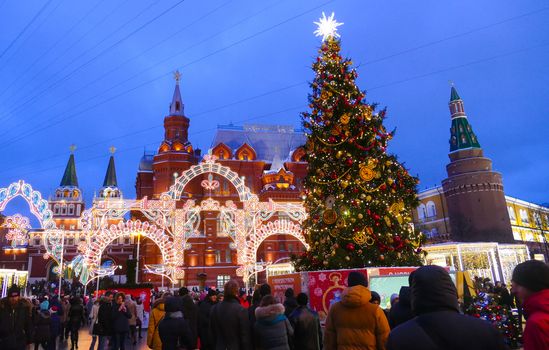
(204, 309)
(438, 323)
(530, 283)
(306, 325)
(174, 330)
(15, 320)
(354, 322)
(401, 310)
(190, 312)
(42, 326)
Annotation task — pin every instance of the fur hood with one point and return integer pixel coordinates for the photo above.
(269, 311)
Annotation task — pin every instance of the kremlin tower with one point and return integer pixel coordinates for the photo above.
(68, 203)
(473, 191)
(175, 153)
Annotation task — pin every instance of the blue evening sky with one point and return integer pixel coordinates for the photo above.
(98, 73)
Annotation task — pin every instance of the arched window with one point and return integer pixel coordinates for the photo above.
(524, 216)
(512, 215)
(421, 211)
(431, 209)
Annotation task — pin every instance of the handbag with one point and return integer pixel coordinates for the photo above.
(97, 328)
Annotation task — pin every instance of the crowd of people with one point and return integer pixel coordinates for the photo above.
(424, 315)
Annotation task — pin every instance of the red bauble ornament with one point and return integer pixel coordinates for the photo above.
(349, 161)
(331, 139)
(350, 247)
(383, 187)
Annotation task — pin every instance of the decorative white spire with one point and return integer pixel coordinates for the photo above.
(327, 27)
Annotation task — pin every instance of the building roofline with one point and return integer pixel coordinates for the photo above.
(525, 203)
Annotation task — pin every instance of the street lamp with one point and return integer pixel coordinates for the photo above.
(138, 234)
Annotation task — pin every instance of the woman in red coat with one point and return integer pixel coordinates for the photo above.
(531, 285)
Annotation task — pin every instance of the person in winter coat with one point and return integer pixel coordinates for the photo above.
(157, 314)
(93, 320)
(263, 290)
(140, 311)
(132, 322)
(65, 307)
(42, 326)
(229, 323)
(104, 326)
(55, 328)
(120, 322)
(75, 317)
(402, 309)
(354, 322)
(290, 304)
(190, 312)
(272, 330)
(204, 309)
(306, 325)
(530, 283)
(15, 321)
(174, 330)
(438, 323)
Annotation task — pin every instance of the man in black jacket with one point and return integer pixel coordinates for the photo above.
(190, 313)
(438, 323)
(306, 324)
(229, 322)
(15, 321)
(104, 327)
(204, 310)
(401, 311)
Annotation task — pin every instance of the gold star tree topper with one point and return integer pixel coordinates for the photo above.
(327, 27)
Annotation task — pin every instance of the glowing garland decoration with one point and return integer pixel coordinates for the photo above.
(39, 207)
(283, 227)
(208, 166)
(18, 227)
(92, 255)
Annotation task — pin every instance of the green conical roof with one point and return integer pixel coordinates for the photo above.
(454, 95)
(110, 176)
(462, 135)
(69, 177)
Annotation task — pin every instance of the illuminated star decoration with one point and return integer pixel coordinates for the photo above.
(327, 27)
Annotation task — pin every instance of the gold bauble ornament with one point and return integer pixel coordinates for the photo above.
(366, 173)
(329, 216)
(345, 118)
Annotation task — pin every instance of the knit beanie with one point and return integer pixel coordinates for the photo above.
(265, 289)
(532, 274)
(45, 305)
(356, 278)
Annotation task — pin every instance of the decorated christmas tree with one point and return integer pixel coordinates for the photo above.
(489, 308)
(359, 198)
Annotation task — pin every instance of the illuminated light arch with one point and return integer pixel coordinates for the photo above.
(208, 166)
(39, 208)
(93, 252)
(278, 227)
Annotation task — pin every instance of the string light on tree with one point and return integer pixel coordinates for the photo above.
(327, 27)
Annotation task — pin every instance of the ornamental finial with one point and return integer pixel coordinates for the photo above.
(72, 148)
(177, 76)
(327, 27)
(112, 149)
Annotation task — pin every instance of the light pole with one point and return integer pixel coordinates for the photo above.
(137, 264)
(61, 263)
